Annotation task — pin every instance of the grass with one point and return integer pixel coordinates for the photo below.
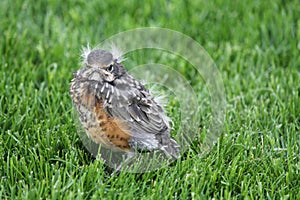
(256, 46)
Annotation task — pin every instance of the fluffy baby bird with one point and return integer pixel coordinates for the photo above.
(116, 110)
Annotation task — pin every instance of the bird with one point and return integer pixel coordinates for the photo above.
(116, 110)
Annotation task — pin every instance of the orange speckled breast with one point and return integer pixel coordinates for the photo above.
(113, 130)
(100, 126)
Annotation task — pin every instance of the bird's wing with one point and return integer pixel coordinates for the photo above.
(141, 112)
(134, 105)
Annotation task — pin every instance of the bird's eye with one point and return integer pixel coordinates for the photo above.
(110, 68)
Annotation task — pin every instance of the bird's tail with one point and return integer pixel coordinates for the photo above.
(172, 149)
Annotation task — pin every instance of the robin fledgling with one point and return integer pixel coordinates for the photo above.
(116, 110)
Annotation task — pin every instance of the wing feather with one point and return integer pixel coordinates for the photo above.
(138, 110)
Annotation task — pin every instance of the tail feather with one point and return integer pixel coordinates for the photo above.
(172, 149)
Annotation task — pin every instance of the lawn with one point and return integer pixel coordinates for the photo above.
(256, 48)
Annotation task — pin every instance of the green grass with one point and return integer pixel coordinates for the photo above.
(256, 46)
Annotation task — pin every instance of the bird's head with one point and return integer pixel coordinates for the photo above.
(104, 65)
